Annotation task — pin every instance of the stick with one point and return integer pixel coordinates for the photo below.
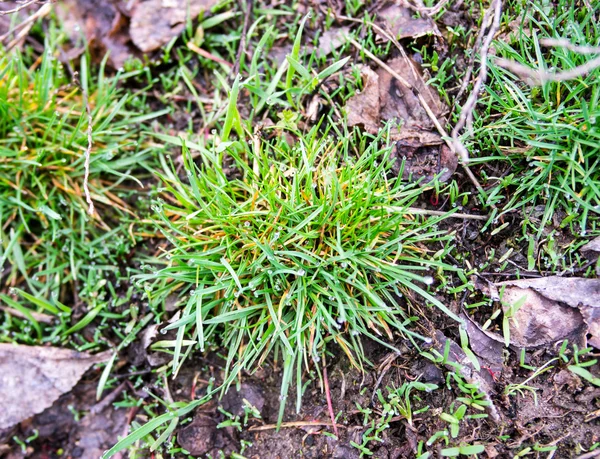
(539, 77)
(295, 424)
(22, 7)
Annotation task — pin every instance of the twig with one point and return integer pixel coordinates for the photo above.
(539, 77)
(476, 46)
(88, 150)
(22, 7)
(25, 25)
(466, 113)
(207, 55)
(328, 397)
(243, 41)
(589, 455)
(439, 213)
(563, 43)
(295, 424)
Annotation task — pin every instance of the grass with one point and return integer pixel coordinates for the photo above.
(55, 253)
(545, 139)
(284, 242)
(291, 247)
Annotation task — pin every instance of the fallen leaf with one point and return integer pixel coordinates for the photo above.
(592, 252)
(400, 20)
(331, 40)
(482, 378)
(155, 22)
(555, 308)
(33, 377)
(418, 146)
(488, 346)
(103, 25)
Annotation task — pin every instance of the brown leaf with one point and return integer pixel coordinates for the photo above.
(102, 23)
(155, 22)
(488, 346)
(383, 99)
(555, 308)
(34, 377)
(592, 252)
(331, 40)
(402, 23)
(483, 378)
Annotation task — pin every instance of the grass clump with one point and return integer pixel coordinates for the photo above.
(549, 134)
(290, 247)
(51, 250)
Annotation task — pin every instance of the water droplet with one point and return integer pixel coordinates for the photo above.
(428, 280)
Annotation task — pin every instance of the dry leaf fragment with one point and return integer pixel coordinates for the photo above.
(155, 22)
(555, 308)
(592, 252)
(402, 23)
(33, 377)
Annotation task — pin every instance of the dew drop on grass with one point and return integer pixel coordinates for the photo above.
(246, 223)
(428, 280)
(301, 273)
(163, 331)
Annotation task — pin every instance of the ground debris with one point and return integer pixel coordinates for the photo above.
(419, 147)
(34, 377)
(399, 19)
(592, 252)
(126, 29)
(155, 22)
(553, 309)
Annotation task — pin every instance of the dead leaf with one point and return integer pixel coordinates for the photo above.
(488, 346)
(102, 24)
(591, 251)
(483, 378)
(155, 22)
(331, 40)
(400, 20)
(555, 308)
(33, 377)
(384, 99)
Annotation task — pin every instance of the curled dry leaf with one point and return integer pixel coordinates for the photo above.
(34, 377)
(553, 308)
(383, 99)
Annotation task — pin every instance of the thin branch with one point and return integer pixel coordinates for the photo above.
(424, 104)
(466, 113)
(564, 43)
(294, 425)
(23, 5)
(537, 77)
(432, 10)
(24, 27)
